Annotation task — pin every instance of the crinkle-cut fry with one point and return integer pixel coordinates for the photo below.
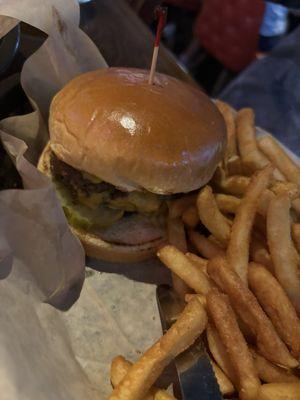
(190, 216)
(219, 353)
(285, 257)
(178, 263)
(250, 312)
(296, 235)
(234, 166)
(238, 246)
(228, 116)
(220, 311)
(276, 154)
(176, 236)
(198, 261)
(270, 373)
(227, 203)
(211, 217)
(224, 382)
(182, 334)
(177, 207)
(119, 368)
(279, 391)
(260, 254)
(276, 305)
(204, 246)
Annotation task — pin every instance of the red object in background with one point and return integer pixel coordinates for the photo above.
(229, 30)
(192, 5)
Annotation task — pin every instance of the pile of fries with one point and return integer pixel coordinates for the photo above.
(234, 252)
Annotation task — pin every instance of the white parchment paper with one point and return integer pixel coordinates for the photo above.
(47, 353)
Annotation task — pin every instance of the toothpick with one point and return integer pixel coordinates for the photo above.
(161, 15)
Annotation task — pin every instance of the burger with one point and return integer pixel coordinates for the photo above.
(121, 149)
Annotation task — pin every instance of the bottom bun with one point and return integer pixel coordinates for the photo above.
(94, 245)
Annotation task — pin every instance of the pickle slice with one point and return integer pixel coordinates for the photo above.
(84, 217)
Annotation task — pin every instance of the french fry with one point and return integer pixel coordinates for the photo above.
(296, 235)
(228, 116)
(270, 373)
(259, 254)
(142, 374)
(238, 246)
(176, 237)
(204, 246)
(178, 263)
(227, 203)
(200, 297)
(224, 382)
(276, 305)
(279, 391)
(163, 395)
(219, 353)
(290, 188)
(245, 131)
(284, 255)
(198, 261)
(211, 217)
(118, 370)
(253, 158)
(264, 202)
(235, 185)
(293, 191)
(190, 217)
(220, 311)
(270, 147)
(250, 312)
(177, 207)
(296, 206)
(234, 166)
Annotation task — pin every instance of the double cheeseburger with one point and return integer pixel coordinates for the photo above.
(121, 149)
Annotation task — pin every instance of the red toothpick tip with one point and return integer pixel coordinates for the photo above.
(161, 15)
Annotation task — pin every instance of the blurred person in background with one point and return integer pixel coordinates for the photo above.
(274, 26)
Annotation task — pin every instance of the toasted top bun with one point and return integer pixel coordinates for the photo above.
(165, 138)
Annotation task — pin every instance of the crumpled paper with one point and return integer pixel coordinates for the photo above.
(46, 353)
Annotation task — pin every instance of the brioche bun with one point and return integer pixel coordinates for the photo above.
(164, 138)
